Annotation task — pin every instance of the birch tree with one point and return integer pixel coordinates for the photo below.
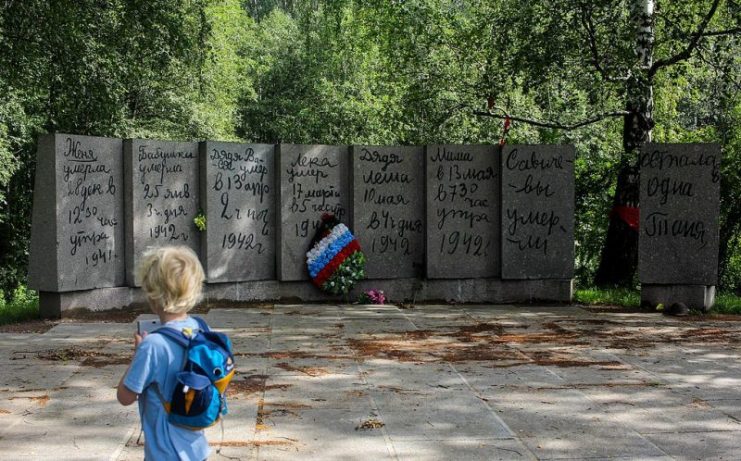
(616, 42)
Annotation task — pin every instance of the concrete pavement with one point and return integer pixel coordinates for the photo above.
(461, 382)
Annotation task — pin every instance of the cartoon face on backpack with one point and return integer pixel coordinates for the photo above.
(199, 398)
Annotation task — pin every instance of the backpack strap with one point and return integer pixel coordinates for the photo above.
(201, 323)
(162, 398)
(177, 336)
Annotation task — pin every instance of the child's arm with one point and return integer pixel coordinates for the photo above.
(124, 395)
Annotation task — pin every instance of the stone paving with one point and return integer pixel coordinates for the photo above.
(459, 382)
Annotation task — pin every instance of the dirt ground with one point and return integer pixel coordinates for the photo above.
(490, 342)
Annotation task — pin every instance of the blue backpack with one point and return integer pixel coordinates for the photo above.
(199, 398)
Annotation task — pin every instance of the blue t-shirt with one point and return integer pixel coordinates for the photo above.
(156, 362)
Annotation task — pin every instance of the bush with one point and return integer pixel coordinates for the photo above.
(22, 305)
(727, 303)
(625, 297)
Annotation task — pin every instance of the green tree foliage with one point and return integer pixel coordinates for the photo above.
(376, 72)
(108, 68)
(318, 80)
(434, 63)
(226, 74)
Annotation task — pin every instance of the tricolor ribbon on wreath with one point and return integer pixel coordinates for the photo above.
(335, 261)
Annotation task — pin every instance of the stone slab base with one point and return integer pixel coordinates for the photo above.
(54, 305)
(693, 296)
(397, 290)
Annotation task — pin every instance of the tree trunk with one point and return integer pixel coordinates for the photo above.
(730, 226)
(620, 251)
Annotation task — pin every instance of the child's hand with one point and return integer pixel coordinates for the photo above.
(138, 338)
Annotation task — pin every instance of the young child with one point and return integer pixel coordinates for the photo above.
(172, 278)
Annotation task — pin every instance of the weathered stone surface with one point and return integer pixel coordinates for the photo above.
(478, 449)
(77, 240)
(538, 212)
(161, 180)
(700, 297)
(463, 211)
(457, 291)
(313, 180)
(388, 209)
(56, 387)
(238, 200)
(680, 204)
(57, 305)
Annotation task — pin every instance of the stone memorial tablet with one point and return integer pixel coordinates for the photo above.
(238, 200)
(313, 180)
(388, 209)
(77, 240)
(161, 197)
(463, 217)
(538, 212)
(680, 204)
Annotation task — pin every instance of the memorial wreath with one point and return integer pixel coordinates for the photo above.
(335, 260)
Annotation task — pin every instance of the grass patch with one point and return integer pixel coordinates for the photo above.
(22, 305)
(727, 303)
(624, 297)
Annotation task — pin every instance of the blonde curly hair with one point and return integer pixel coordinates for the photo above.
(172, 278)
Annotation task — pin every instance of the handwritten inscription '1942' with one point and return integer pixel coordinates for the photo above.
(388, 208)
(463, 211)
(166, 195)
(89, 180)
(461, 202)
(241, 181)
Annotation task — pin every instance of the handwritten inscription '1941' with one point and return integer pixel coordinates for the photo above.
(312, 182)
(89, 180)
(310, 194)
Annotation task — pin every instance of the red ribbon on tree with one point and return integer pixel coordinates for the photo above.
(630, 215)
(507, 123)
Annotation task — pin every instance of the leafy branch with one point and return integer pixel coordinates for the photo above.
(694, 41)
(551, 124)
(589, 27)
(716, 33)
